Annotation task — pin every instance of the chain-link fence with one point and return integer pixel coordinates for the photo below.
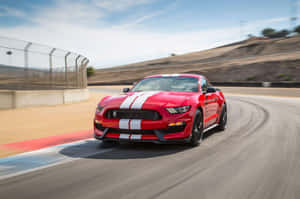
(26, 65)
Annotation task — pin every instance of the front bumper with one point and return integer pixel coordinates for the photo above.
(169, 135)
(157, 131)
(156, 141)
(151, 131)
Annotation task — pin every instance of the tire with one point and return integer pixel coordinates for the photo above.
(197, 131)
(223, 118)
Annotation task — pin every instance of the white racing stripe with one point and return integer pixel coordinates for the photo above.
(124, 136)
(137, 100)
(135, 124)
(138, 103)
(124, 124)
(136, 137)
(128, 101)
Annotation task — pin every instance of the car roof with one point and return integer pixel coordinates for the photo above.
(176, 75)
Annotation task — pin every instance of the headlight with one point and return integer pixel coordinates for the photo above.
(99, 109)
(177, 110)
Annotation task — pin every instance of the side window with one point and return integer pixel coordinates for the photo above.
(204, 84)
(209, 84)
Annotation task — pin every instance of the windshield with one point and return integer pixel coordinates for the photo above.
(185, 84)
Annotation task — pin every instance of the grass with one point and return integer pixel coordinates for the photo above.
(252, 78)
(285, 77)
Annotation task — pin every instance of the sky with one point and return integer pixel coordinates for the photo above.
(118, 32)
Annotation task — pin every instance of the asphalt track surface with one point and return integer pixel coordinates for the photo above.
(257, 156)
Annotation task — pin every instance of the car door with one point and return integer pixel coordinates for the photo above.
(215, 105)
(210, 104)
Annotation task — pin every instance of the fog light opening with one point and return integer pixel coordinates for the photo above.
(176, 124)
(97, 122)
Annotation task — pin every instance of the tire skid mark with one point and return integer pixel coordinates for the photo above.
(265, 118)
(258, 125)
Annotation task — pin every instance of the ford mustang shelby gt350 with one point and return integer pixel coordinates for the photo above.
(162, 109)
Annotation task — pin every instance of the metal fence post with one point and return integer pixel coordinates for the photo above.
(26, 61)
(66, 68)
(51, 66)
(85, 74)
(82, 72)
(77, 71)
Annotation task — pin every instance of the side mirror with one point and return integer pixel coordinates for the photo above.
(211, 90)
(126, 90)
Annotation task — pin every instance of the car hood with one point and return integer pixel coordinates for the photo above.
(149, 100)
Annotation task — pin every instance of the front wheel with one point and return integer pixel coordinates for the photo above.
(223, 118)
(197, 132)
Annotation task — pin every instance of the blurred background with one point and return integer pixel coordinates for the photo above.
(125, 40)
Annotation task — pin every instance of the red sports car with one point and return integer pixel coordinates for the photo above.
(162, 109)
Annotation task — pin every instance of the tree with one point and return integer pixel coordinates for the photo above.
(271, 33)
(297, 29)
(267, 32)
(90, 71)
(281, 33)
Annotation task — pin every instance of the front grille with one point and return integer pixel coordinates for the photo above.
(149, 131)
(132, 114)
(143, 132)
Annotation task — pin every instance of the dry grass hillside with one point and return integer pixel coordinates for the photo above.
(256, 59)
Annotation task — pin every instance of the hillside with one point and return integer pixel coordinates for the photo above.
(256, 59)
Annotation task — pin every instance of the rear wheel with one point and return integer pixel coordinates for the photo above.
(223, 118)
(197, 132)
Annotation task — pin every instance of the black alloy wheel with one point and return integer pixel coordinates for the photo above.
(223, 118)
(197, 132)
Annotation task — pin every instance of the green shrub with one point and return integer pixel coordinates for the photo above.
(288, 78)
(284, 77)
(90, 71)
(267, 32)
(297, 29)
(281, 33)
(272, 33)
(252, 78)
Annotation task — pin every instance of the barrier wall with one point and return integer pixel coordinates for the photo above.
(10, 99)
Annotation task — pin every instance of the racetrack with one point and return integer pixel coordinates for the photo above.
(257, 156)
